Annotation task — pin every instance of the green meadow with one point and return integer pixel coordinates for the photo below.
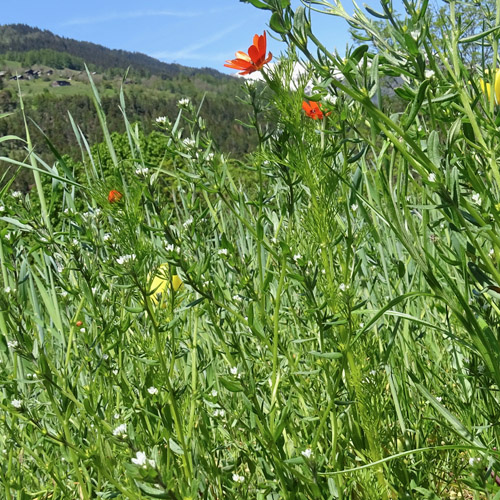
(318, 319)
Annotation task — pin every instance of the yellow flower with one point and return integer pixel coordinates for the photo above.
(487, 88)
(162, 280)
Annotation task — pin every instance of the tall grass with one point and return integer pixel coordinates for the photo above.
(336, 332)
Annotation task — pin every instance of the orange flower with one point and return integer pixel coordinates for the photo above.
(114, 196)
(254, 60)
(313, 110)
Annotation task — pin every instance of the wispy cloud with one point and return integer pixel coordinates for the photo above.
(117, 16)
(192, 51)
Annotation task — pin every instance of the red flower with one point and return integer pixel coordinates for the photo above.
(114, 196)
(313, 110)
(254, 60)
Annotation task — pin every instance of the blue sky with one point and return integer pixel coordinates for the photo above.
(198, 33)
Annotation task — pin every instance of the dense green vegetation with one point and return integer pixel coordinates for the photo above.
(336, 334)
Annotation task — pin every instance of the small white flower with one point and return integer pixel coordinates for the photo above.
(17, 194)
(307, 453)
(331, 99)
(415, 34)
(188, 223)
(219, 413)
(238, 479)
(342, 287)
(106, 237)
(142, 171)
(64, 293)
(222, 251)
(214, 393)
(161, 119)
(237, 297)
(17, 403)
(7, 289)
(121, 430)
(2, 208)
(82, 330)
(188, 142)
(297, 256)
(354, 207)
(152, 390)
(183, 102)
(432, 177)
(116, 416)
(140, 459)
(115, 371)
(13, 344)
(429, 73)
(234, 370)
(471, 461)
(169, 247)
(125, 258)
(492, 252)
(8, 236)
(439, 399)
(476, 198)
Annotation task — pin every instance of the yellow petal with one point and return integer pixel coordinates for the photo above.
(176, 282)
(161, 282)
(497, 86)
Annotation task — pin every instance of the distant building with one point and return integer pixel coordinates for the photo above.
(60, 83)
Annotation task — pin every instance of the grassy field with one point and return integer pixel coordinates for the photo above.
(327, 330)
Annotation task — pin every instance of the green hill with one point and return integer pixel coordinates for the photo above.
(50, 72)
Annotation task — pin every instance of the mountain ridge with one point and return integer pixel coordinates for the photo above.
(20, 38)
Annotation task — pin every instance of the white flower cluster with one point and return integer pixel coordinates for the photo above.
(17, 403)
(120, 431)
(125, 258)
(184, 102)
(162, 119)
(142, 171)
(142, 460)
(152, 390)
(238, 479)
(188, 142)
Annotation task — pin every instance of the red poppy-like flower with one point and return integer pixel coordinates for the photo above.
(254, 60)
(313, 110)
(114, 196)
(79, 323)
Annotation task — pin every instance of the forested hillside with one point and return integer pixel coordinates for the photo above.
(50, 73)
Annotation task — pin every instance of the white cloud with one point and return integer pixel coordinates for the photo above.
(191, 51)
(115, 16)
